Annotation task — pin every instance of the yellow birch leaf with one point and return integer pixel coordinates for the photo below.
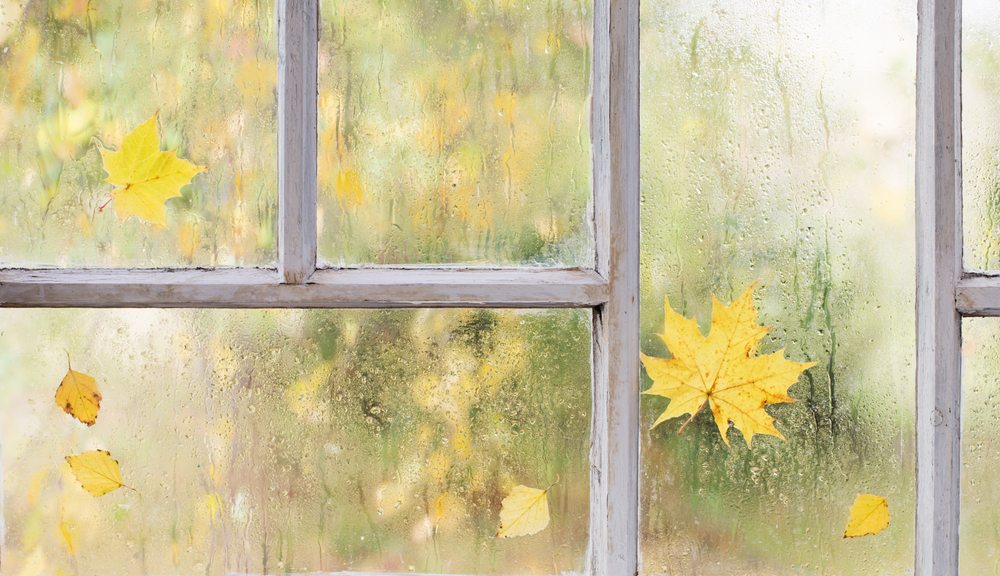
(96, 471)
(145, 177)
(524, 511)
(869, 515)
(79, 397)
(721, 370)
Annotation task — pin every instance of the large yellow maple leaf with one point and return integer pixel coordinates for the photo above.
(721, 369)
(145, 177)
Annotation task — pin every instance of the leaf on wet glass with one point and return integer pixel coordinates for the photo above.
(721, 370)
(869, 515)
(524, 511)
(79, 396)
(144, 176)
(96, 471)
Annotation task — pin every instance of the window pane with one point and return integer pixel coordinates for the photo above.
(980, 133)
(81, 75)
(455, 132)
(268, 442)
(979, 545)
(777, 143)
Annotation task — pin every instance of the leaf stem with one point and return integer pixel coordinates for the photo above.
(553, 484)
(691, 418)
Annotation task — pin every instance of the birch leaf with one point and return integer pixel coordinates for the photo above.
(524, 511)
(79, 396)
(869, 515)
(145, 177)
(721, 369)
(96, 471)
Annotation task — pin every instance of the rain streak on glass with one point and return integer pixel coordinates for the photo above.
(455, 132)
(981, 132)
(267, 442)
(777, 142)
(979, 546)
(77, 74)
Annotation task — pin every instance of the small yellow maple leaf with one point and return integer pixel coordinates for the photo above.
(96, 471)
(869, 515)
(145, 177)
(524, 511)
(79, 396)
(720, 369)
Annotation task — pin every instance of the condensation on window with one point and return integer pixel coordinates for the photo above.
(980, 135)
(78, 75)
(266, 442)
(777, 143)
(455, 132)
(979, 546)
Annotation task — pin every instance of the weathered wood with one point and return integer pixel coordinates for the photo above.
(261, 288)
(298, 44)
(939, 266)
(978, 295)
(614, 455)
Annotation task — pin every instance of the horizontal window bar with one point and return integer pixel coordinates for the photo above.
(978, 294)
(340, 288)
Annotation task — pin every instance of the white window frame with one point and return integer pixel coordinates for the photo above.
(611, 289)
(947, 289)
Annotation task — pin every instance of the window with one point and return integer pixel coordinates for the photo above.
(286, 177)
(601, 278)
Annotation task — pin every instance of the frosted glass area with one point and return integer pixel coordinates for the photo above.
(272, 442)
(455, 132)
(777, 142)
(981, 132)
(979, 546)
(77, 74)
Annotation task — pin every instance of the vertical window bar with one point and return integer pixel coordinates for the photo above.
(614, 454)
(939, 266)
(298, 37)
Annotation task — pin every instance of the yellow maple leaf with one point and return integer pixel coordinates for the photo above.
(524, 511)
(721, 370)
(96, 471)
(145, 177)
(869, 515)
(79, 396)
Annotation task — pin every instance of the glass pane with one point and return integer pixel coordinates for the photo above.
(777, 142)
(979, 546)
(455, 132)
(267, 442)
(81, 75)
(980, 133)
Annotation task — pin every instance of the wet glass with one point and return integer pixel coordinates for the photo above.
(267, 442)
(77, 75)
(455, 133)
(980, 132)
(979, 546)
(777, 143)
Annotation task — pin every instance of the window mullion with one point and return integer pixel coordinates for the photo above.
(614, 457)
(298, 37)
(939, 267)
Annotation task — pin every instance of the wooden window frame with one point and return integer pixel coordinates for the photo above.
(947, 289)
(610, 290)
